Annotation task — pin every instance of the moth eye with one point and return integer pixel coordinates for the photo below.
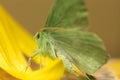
(38, 36)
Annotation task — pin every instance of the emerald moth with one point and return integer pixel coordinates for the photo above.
(64, 35)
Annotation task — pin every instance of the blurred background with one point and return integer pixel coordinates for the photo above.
(104, 17)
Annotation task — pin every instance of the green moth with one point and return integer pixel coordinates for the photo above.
(64, 35)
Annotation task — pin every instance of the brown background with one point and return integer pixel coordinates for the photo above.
(104, 16)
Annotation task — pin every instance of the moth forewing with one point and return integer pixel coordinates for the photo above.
(66, 13)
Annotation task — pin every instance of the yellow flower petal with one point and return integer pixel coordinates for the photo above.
(13, 41)
(6, 76)
(114, 65)
(53, 72)
(24, 40)
(11, 57)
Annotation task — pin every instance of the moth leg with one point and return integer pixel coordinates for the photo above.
(28, 64)
(36, 52)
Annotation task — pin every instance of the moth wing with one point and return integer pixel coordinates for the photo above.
(83, 49)
(66, 13)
